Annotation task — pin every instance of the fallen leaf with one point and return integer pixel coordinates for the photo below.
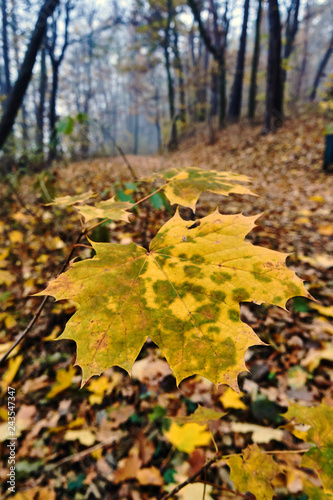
(150, 475)
(254, 472)
(260, 434)
(85, 436)
(188, 437)
(63, 381)
(230, 399)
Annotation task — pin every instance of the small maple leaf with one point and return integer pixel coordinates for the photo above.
(184, 294)
(68, 201)
(109, 209)
(188, 437)
(253, 469)
(184, 186)
(319, 457)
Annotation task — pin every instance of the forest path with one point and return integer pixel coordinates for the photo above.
(286, 168)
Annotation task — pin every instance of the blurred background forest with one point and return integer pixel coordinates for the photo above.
(141, 74)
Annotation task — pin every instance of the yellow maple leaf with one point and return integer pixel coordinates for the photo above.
(188, 437)
(184, 293)
(63, 381)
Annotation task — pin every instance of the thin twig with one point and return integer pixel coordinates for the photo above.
(147, 197)
(124, 157)
(81, 454)
(191, 479)
(25, 332)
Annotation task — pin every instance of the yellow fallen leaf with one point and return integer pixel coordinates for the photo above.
(314, 356)
(15, 237)
(63, 381)
(8, 377)
(302, 220)
(6, 277)
(305, 213)
(325, 229)
(85, 436)
(98, 388)
(54, 334)
(323, 310)
(317, 198)
(230, 399)
(54, 243)
(321, 260)
(188, 437)
(8, 319)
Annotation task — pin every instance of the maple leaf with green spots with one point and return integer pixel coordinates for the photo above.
(254, 472)
(184, 186)
(320, 432)
(183, 293)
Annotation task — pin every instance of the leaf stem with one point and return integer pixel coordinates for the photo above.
(87, 230)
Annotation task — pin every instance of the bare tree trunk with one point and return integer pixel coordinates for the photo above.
(321, 69)
(291, 31)
(302, 70)
(52, 111)
(273, 115)
(171, 92)
(136, 131)
(157, 120)
(217, 49)
(41, 104)
(223, 92)
(179, 70)
(255, 64)
(5, 47)
(18, 91)
(55, 63)
(235, 105)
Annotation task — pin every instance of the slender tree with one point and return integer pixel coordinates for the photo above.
(321, 69)
(5, 48)
(171, 91)
(55, 64)
(235, 104)
(273, 114)
(18, 91)
(179, 71)
(254, 65)
(303, 67)
(291, 31)
(40, 110)
(217, 48)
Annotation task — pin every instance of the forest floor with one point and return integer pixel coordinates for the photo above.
(107, 440)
